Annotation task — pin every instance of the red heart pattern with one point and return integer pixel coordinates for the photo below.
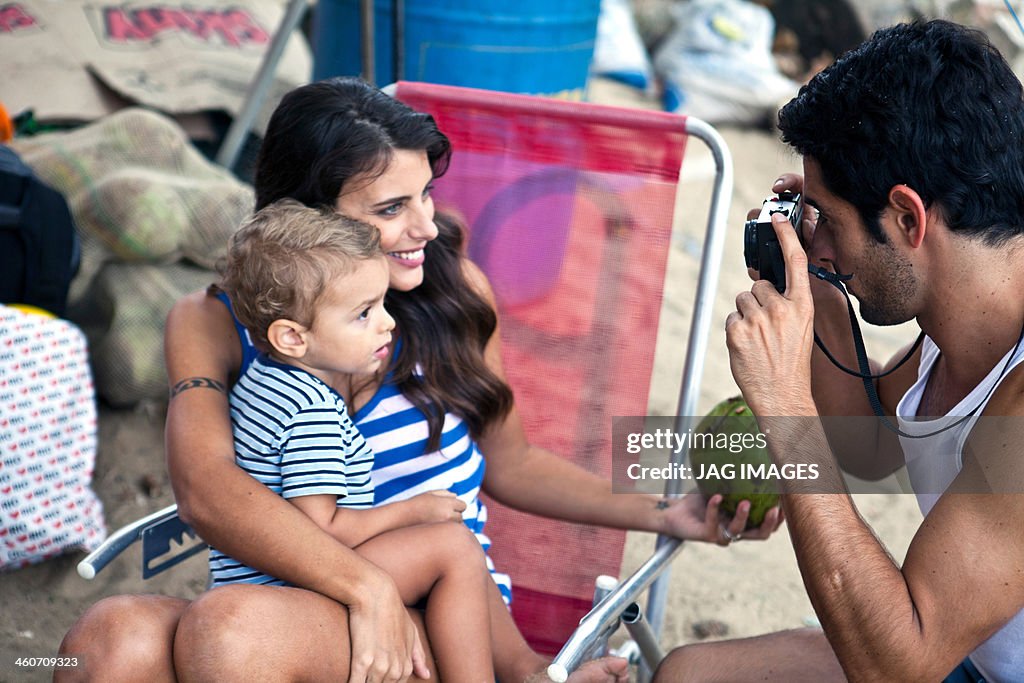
(48, 434)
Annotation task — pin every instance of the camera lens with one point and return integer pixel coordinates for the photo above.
(750, 245)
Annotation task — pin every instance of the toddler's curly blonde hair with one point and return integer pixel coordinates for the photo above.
(281, 260)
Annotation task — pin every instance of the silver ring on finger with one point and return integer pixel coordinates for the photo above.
(729, 536)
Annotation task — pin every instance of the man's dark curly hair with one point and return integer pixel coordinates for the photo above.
(932, 105)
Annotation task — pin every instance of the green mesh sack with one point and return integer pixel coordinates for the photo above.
(129, 304)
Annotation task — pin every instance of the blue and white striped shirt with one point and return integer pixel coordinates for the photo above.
(293, 434)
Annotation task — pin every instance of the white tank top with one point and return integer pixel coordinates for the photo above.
(933, 463)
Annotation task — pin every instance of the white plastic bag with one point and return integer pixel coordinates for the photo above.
(619, 53)
(717, 63)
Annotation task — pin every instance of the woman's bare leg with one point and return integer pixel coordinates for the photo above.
(260, 633)
(123, 638)
(445, 564)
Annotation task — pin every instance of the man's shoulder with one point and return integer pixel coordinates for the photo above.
(992, 461)
(1008, 397)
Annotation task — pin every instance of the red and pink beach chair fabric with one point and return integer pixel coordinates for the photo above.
(569, 210)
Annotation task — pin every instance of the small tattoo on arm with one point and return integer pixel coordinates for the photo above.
(197, 383)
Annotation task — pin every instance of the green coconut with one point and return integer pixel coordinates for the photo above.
(728, 419)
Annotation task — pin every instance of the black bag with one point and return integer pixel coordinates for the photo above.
(39, 249)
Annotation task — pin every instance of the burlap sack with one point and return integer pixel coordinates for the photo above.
(140, 194)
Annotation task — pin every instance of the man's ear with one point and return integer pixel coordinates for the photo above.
(911, 214)
(288, 338)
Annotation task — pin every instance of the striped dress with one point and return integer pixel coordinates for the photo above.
(293, 434)
(397, 432)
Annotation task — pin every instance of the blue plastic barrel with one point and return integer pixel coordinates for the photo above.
(527, 46)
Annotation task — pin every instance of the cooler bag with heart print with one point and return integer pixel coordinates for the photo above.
(47, 440)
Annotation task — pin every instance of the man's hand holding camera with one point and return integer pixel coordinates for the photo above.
(770, 335)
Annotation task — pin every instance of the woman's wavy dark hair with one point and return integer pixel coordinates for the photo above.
(932, 105)
(321, 136)
(452, 324)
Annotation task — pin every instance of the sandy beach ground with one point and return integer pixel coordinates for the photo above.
(750, 588)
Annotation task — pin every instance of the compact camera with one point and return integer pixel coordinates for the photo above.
(761, 248)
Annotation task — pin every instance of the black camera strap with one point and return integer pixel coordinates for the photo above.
(865, 369)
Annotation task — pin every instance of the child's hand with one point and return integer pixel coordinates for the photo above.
(436, 506)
